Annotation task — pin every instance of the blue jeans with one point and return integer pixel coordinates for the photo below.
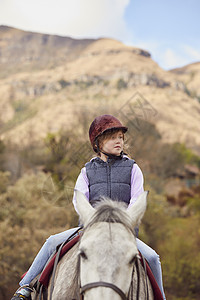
(54, 240)
(154, 262)
(43, 255)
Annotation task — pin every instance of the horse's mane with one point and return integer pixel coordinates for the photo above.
(110, 211)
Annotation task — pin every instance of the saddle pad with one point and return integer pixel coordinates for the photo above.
(46, 273)
(156, 290)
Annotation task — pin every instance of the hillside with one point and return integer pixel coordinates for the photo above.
(49, 82)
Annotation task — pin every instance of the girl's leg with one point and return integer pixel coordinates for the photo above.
(154, 262)
(43, 255)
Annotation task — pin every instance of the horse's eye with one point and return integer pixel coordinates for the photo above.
(83, 255)
(132, 260)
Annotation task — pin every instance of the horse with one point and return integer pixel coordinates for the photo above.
(104, 264)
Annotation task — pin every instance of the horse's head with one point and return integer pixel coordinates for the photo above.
(108, 247)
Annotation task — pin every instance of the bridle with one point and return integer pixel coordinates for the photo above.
(103, 283)
(83, 289)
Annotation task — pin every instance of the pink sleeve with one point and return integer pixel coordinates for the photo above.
(137, 182)
(81, 185)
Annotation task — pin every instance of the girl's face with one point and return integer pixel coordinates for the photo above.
(113, 144)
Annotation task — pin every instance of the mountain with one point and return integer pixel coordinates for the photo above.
(48, 83)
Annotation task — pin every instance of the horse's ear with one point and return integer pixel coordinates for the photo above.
(137, 210)
(85, 209)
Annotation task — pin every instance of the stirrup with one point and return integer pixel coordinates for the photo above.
(18, 295)
(25, 286)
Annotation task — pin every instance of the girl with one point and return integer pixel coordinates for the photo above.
(111, 174)
(114, 175)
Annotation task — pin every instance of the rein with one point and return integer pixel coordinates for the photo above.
(57, 259)
(103, 284)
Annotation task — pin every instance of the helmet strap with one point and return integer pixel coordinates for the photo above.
(97, 149)
(111, 156)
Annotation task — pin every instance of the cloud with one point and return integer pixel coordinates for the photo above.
(193, 53)
(77, 18)
(172, 59)
(179, 56)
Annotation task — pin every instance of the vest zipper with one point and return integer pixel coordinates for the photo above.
(109, 178)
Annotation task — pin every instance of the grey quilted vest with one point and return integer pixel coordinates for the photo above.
(111, 179)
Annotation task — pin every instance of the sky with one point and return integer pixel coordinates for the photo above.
(168, 29)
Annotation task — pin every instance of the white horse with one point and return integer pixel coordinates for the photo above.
(103, 264)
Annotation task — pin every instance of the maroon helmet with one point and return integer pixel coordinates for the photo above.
(103, 123)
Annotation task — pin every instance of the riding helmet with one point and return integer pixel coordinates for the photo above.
(101, 124)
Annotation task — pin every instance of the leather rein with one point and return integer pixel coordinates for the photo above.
(103, 284)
